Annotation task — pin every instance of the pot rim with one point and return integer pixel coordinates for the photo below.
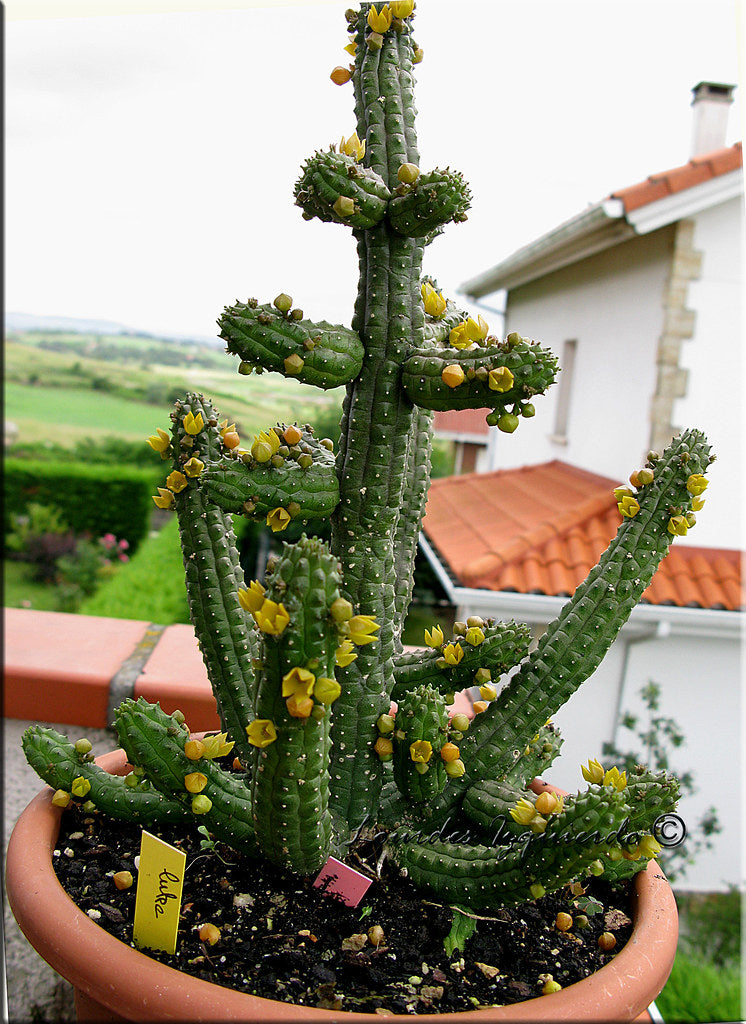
(80, 951)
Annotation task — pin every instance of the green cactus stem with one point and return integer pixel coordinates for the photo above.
(156, 743)
(335, 187)
(56, 761)
(498, 645)
(213, 571)
(265, 338)
(575, 643)
(299, 478)
(421, 730)
(479, 876)
(497, 376)
(435, 199)
(290, 786)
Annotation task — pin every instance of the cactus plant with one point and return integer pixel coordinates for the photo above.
(305, 664)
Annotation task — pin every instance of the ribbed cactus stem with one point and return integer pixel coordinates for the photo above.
(378, 420)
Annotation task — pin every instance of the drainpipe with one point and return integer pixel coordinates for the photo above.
(661, 631)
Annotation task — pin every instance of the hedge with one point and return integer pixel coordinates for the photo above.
(93, 499)
(150, 586)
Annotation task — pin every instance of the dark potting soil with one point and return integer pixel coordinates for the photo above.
(281, 938)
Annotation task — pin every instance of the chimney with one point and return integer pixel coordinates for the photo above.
(711, 105)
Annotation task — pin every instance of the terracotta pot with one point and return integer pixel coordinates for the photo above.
(114, 982)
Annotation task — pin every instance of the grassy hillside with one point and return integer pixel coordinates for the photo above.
(64, 387)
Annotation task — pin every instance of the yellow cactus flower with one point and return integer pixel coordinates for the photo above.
(194, 749)
(487, 692)
(176, 481)
(351, 48)
(195, 782)
(453, 375)
(453, 653)
(696, 484)
(193, 467)
(678, 526)
(298, 681)
(622, 492)
(251, 598)
(380, 22)
(613, 777)
(326, 690)
(474, 636)
(61, 798)
(629, 507)
(421, 751)
(164, 498)
(159, 441)
(698, 504)
(261, 732)
(193, 424)
(265, 437)
(434, 637)
(360, 629)
(345, 654)
(352, 147)
(500, 379)
(477, 330)
(524, 811)
(435, 304)
(402, 8)
(480, 706)
(272, 618)
(594, 772)
(278, 519)
(80, 786)
(649, 847)
(458, 336)
(217, 746)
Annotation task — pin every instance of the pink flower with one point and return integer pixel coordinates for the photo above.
(124, 558)
(124, 545)
(108, 540)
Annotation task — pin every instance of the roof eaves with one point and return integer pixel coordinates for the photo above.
(597, 228)
(686, 203)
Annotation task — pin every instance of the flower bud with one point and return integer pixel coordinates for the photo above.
(201, 804)
(283, 302)
(408, 174)
(455, 769)
(460, 722)
(83, 746)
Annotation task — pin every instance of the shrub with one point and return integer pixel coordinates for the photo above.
(93, 499)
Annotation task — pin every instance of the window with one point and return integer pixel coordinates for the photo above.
(564, 392)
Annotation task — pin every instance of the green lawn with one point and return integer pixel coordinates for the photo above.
(19, 590)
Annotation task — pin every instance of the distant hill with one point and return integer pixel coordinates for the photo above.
(81, 325)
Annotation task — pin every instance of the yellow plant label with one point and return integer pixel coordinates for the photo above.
(160, 879)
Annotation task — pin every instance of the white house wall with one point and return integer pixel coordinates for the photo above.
(612, 305)
(714, 361)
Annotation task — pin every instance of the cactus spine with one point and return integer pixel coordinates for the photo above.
(305, 665)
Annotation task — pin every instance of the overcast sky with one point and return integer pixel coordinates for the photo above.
(151, 157)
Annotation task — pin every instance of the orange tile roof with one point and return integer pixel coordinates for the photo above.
(462, 421)
(678, 179)
(540, 529)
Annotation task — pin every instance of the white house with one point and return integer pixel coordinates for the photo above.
(640, 295)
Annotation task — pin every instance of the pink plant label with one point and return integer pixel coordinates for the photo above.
(343, 881)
